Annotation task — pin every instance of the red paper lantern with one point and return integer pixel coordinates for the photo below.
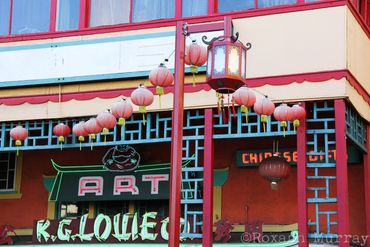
(195, 56)
(18, 134)
(80, 131)
(92, 127)
(142, 97)
(265, 108)
(62, 131)
(107, 121)
(274, 169)
(283, 113)
(226, 65)
(161, 77)
(245, 98)
(122, 110)
(298, 114)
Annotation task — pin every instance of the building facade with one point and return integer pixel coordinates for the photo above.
(64, 61)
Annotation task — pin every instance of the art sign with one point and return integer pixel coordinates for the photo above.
(149, 227)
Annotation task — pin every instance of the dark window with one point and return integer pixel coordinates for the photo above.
(159, 206)
(73, 209)
(7, 171)
(112, 208)
(146, 10)
(234, 5)
(4, 17)
(109, 12)
(30, 16)
(194, 7)
(68, 13)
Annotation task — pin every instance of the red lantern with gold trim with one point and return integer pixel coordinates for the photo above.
(265, 108)
(161, 77)
(62, 131)
(274, 169)
(245, 98)
(283, 113)
(107, 121)
(18, 134)
(195, 56)
(122, 110)
(142, 97)
(93, 128)
(298, 114)
(80, 131)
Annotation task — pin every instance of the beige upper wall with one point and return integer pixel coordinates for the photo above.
(297, 42)
(358, 52)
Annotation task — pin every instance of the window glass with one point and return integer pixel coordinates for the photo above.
(234, 5)
(146, 10)
(73, 210)
(68, 13)
(194, 7)
(7, 172)
(270, 3)
(30, 16)
(159, 206)
(109, 12)
(4, 17)
(112, 208)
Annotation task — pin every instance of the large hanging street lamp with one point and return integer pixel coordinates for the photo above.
(226, 65)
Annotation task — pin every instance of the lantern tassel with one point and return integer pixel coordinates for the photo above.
(61, 140)
(142, 109)
(193, 70)
(17, 151)
(274, 185)
(81, 139)
(160, 101)
(264, 120)
(121, 121)
(295, 124)
(284, 125)
(245, 110)
(80, 146)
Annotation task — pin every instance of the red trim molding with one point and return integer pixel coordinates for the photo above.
(302, 184)
(169, 22)
(341, 172)
(367, 184)
(252, 82)
(359, 18)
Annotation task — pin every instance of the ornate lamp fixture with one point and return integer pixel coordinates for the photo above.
(226, 65)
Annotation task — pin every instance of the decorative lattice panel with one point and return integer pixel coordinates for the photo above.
(356, 128)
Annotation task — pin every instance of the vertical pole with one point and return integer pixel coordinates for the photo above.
(341, 172)
(208, 179)
(367, 186)
(178, 9)
(84, 14)
(53, 15)
(176, 140)
(228, 25)
(212, 7)
(302, 183)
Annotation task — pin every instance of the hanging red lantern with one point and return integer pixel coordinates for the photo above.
(107, 121)
(265, 108)
(93, 128)
(122, 110)
(161, 77)
(226, 65)
(195, 56)
(298, 114)
(245, 98)
(142, 97)
(62, 131)
(80, 131)
(283, 113)
(18, 134)
(274, 169)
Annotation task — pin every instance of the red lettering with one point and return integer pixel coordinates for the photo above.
(287, 156)
(253, 158)
(244, 158)
(90, 185)
(155, 179)
(295, 156)
(125, 184)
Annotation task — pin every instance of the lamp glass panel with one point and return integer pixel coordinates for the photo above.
(234, 56)
(209, 62)
(243, 63)
(219, 60)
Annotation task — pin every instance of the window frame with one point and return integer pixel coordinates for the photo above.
(16, 192)
(212, 15)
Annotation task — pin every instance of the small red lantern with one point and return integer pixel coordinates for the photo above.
(246, 98)
(226, 65)
(122, 110)
(298, 114)
(62, 131)
(142, 97)
(92, 127)
(80, 131)
(283, 114)
(161, 77)
(107, 121)
(265, 108)
(274, 169)
(18, 134)
(195, 56)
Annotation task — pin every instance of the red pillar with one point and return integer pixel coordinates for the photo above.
(302, 184)
(208, 180)
(341, 172)
(367, 185)
(176, 139)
